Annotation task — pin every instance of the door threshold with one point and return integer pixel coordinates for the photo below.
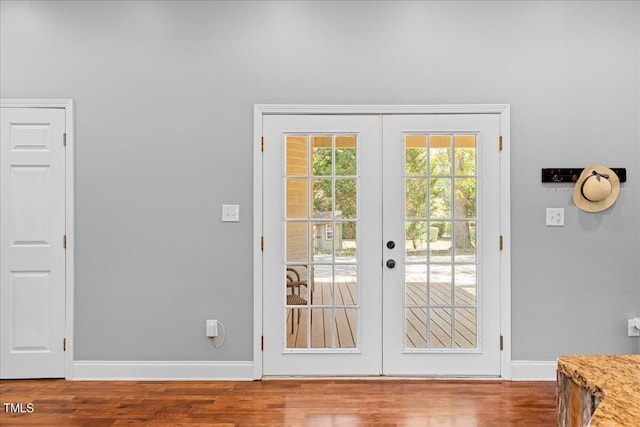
(380, 378)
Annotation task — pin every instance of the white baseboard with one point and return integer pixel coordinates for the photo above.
(85, 370)
(533, 370)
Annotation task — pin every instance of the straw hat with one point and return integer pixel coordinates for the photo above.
(596, 189)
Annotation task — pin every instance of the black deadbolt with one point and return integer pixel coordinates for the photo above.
(391, 244)
(391, 263)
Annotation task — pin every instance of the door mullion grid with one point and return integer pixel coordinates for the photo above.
(428, 255)
(452, 285)
(311, 236)
(334, 326)
(285, 242)
(356, 219)
(310, 222)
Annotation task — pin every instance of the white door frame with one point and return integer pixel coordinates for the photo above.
(68, 106)
(503, 110)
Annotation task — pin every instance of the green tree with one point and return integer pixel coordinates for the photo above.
(464, 197)
(345, 189)
(415, 195)
(442, 162)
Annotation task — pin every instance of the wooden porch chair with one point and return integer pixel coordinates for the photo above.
(294, 297)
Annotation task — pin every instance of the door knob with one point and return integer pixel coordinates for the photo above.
(391, 244)
(391, 263)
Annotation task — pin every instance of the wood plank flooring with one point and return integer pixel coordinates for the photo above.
(282, 403)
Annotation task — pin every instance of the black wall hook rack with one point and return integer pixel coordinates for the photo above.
(569, 175)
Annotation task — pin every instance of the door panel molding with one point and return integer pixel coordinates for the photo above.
(68, 106)
(503, 110)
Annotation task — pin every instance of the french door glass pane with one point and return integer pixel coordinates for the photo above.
(296, 321)
(439, 198)
(346, 163)
(345, 206)
(297, 198)
(440, 285)
(323, 198)
(465, 198)
(345, 324)
(416, 155)
(322, 158)
(346, 249)
(321, 330)
(297, 147)
(465, 154)
(465, 328)
(440, 246)
(440, 155)
(465, 240)
(416, 236)
(416, 198)
(298, 242)
(346, 285)
(440, 242)
(465, 285)
(440, 327)
(416, 284)
(323, 285)
(320, 294)
(416, 327)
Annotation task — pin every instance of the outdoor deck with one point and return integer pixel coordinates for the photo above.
(322, 325)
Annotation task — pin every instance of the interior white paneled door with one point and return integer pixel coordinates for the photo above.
(381, 245)
(441, 176)
(332, 327)
(32, 242)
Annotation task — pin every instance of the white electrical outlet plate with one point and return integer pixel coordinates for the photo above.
(633, 330)
(555, 217)
(230, 213)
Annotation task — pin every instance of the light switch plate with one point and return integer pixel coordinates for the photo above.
(230, 213)
(555, 217)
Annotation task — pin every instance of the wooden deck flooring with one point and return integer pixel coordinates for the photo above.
(438, 323)
(323, 326)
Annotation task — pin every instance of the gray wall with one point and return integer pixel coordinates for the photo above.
(164, 94)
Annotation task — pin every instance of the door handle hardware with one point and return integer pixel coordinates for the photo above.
(391, 263)
(391, 244)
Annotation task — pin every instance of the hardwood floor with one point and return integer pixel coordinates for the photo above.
(286, 402)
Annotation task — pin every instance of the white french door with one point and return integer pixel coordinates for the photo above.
(381, 251)
(441, 309)
(321, 226)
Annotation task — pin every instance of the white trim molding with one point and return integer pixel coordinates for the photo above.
(505, 232)
(504, 110)
(257, 243)
(288, 109)
(69, 106)
(100, 370)
(533, 370)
